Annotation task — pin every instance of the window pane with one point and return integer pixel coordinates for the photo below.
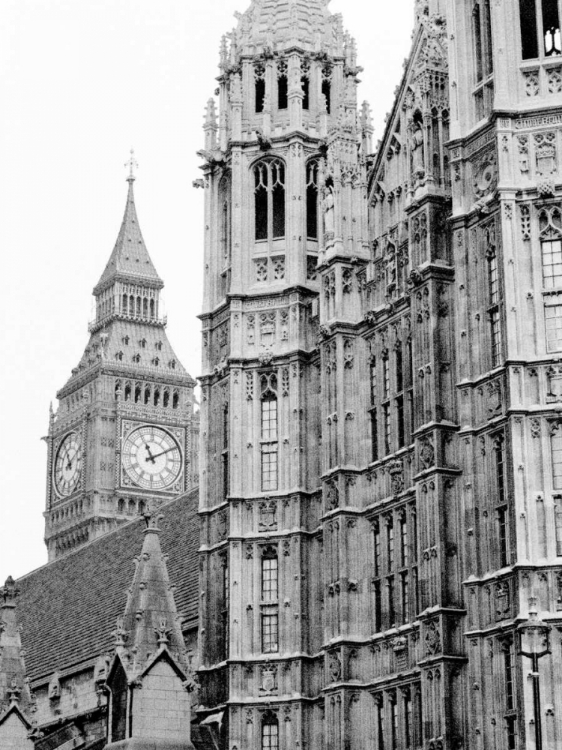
(312, 212)
(260, 94)
(551, 27)
(553, 316)
(282, 92)
(552, 263)
(269, 633)
(261, 213)
(278, 211)
(270, 736)
(529, 37)
(269, 579)
(269, 467)
(269, 419)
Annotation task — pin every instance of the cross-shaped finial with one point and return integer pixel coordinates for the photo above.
(132, 164)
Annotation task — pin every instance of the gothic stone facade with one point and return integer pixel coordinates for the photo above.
(381, 466)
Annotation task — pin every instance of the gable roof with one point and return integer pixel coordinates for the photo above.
(130, 258)
(69, 607)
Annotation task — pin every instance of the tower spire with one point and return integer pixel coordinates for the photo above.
(15, 695)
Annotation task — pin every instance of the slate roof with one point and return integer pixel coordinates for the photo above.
(68, 608)
(130, 258)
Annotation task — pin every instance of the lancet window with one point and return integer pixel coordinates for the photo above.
(312, 200)
(259, 77)
(269, 199)
(540, 28)
(327, 87)
(282, 85)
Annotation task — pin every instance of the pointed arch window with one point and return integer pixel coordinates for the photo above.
(269, 177)
(312, 200)
(119, 699)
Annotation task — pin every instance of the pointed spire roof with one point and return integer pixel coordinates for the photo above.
(14, 686)
(150, 624)
(129, 260)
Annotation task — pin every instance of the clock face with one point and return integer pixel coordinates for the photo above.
(152, 458)
(68, 463)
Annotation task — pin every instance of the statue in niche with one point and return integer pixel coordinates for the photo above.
(328, 205)
(417, 145)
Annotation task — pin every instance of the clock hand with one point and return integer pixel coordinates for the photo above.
(157, 455)
(150, 456)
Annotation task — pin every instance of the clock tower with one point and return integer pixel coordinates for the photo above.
(123, 435)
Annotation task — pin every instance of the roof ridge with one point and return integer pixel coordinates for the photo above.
(165, 505)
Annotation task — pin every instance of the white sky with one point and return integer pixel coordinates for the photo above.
(81, 82)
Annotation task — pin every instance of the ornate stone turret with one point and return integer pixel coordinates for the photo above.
(150, 672)
(16, 701)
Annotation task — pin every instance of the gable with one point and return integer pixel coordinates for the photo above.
(69, 607)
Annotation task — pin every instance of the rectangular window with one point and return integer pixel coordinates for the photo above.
(394, 722)
(269, 632)
(493, 280)
(405, 597)
(269, 467)
(529, 31)
(386, 377)
(391, 602)
(378, 606)
(226, 605)
(390, 543)
(500, 467)
(511, 729)
(553, 317)
(374, 436)
(408, 720)
(558, 524)
(496, 337)
(373, 382)
(377, 539)
(404, 542)
(400, 419)
(508, 677)
(556, 447)
(399, 369)
(269, 419)
(386, 419)
(269, 579)
(503, 536)
(225, 475)
(552, 263)
(270, 736)
(380, 722)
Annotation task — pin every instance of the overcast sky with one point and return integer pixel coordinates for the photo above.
(81, 82)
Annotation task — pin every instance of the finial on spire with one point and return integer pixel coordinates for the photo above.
(10, 591)
(131, 165)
